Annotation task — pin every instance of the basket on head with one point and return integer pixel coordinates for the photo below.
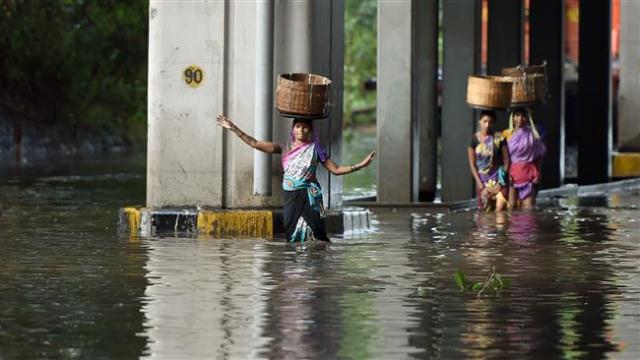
(302, 94)
(488, 92)
(522, 70)
(527, 89)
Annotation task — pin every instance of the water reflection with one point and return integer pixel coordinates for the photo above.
(204, 299)
(69, 288)
(561, 300)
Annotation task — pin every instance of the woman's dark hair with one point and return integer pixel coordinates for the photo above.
(522, 111)
(304, 121)
(489, 113)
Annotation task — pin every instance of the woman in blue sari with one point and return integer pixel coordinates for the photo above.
(303, 208)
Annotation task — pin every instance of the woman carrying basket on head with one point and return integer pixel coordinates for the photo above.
(526, 150)
(303, 208)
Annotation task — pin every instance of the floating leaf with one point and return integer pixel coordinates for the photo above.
(460, 279)
(498, 278)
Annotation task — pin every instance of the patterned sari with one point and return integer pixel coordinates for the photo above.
(488, 163)
(303, 195)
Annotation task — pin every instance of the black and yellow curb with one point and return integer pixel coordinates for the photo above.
(129, 219)
(245, 223)
(224, 223)
(626, 165)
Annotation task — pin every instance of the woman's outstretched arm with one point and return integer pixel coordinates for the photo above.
(336, 169)
(264, 146)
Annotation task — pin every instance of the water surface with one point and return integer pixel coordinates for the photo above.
(71, 287)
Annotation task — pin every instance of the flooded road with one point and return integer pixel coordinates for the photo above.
(71, 287)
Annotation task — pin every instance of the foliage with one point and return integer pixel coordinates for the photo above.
(76, 62)
(494, 282)
(359, 57)
(83, 62)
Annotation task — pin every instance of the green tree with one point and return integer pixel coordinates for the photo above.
(360, 55)
(76, 62)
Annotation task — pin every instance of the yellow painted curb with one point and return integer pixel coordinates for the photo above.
(133, 218)
(626, 164)
(253, 223)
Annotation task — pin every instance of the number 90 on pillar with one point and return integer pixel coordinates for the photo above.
(193, 76)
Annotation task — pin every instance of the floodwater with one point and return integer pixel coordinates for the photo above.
(71, 287)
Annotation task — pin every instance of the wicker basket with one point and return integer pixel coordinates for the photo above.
(302, 94)
(527, 89)
(522, 70)
(489, 92)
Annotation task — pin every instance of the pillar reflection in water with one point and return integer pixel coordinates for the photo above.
(204, 299)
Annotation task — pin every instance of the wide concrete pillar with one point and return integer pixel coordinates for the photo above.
(629, 87)
(461, 30)
(185, 149)
(406, 105)
(393, 121)
(546, 22)
(594, 92)
(504, 41)
(310, 39)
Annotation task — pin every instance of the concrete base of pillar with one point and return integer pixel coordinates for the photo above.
(546, 198)
(138, 221)
(626, 165)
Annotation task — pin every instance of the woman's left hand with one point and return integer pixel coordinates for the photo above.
(367, 160)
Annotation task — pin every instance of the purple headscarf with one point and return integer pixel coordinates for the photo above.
(525, 144)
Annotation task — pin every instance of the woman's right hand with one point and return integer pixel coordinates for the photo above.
(225, 122)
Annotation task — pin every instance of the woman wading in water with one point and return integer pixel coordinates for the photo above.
(489, 162)
(526, 150)
(303, 208)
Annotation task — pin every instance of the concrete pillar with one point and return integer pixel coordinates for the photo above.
(191, 161)
(406, 111)
(628, 98)
(263, 115)
(425, 100)
(546, 23)
(594, 92)
(504, 41)
(394, 101)
(240, 71)
(185, 150)
(461, 30)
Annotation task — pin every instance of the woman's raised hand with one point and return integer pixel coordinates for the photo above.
(367, 160)
(225, 122)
